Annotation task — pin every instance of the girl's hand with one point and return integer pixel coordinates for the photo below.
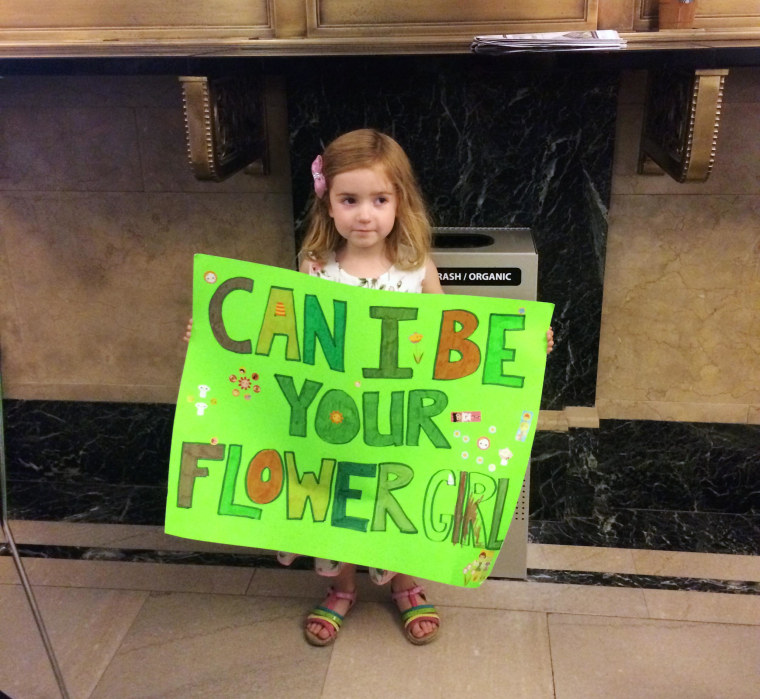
(549, 340)
(188, 330)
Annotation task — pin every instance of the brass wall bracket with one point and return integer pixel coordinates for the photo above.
(225, 125)
(681, 120)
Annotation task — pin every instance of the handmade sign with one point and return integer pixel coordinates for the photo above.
(386, 429)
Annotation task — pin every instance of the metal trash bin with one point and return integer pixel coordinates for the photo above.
(500, 262)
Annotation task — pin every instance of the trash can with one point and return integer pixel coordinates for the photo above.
(500, 262)
(486, 261)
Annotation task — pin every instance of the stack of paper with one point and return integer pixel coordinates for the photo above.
(603, 39)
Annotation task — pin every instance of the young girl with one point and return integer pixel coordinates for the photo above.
(368, 227)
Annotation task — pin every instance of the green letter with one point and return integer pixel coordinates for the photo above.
(420, 416)
(494, 542)
(315, 327)
(497, 353)
(226, 506)
(337, 420)
(343, 492)
(299, 402)
(389, 368)
(431, 517)
(392, 477)
(372, 435)
(279, 319)
(315, 490)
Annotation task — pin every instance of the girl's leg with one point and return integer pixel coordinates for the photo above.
(423, 627)
(345, 581)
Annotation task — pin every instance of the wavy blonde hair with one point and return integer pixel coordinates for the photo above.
(408, 243)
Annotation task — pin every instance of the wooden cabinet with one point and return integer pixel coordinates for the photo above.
(348, 18)
(303, 27)
(103, 20)
(710, 14)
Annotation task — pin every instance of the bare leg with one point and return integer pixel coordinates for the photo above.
(421, 628)
(345, 581)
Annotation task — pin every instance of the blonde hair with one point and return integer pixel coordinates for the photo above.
(408, 243)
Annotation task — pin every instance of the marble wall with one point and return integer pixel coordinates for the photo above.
(491, 147)
(682, 279)
(100, 217)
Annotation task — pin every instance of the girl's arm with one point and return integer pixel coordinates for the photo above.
(431, 284)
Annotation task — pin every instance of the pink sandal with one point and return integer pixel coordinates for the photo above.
(327, 617)
(416, 613)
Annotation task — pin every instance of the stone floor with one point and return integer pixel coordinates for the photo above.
(145, 629)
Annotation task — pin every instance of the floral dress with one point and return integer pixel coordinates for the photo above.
(393, 279)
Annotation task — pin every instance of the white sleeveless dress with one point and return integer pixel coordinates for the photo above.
(394, 279)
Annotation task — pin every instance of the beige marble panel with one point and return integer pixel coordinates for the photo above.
(716, 566)
(580, 558)
(615, 409)
(621, 658)
(85, 149)
(742, 85)
(477, 652)
(85, 628)
(552, 420)
(121, 575)
(11, 331)
(103, 283)
(681, 297)
(117, 536)
(712, 607)
(754, 415)
(216, 646)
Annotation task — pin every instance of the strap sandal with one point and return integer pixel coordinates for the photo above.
(328, 618)
(417, 613)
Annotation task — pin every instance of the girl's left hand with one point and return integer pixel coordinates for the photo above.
(549, 340)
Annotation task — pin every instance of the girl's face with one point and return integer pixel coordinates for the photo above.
(363, 207)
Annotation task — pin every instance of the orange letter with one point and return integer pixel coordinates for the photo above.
(455, 340)
(263, 481)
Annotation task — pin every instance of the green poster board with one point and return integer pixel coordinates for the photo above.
(385, 429)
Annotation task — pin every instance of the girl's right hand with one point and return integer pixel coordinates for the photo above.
(188, 330)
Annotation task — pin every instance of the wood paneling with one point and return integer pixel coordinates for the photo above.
(710, 14)
(84, 19)
(343, 18)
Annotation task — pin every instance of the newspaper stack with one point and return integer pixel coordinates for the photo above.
(594, 40)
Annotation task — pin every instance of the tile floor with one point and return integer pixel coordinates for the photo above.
(127, 629)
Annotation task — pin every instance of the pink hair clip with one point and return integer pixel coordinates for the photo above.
(320, 184)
